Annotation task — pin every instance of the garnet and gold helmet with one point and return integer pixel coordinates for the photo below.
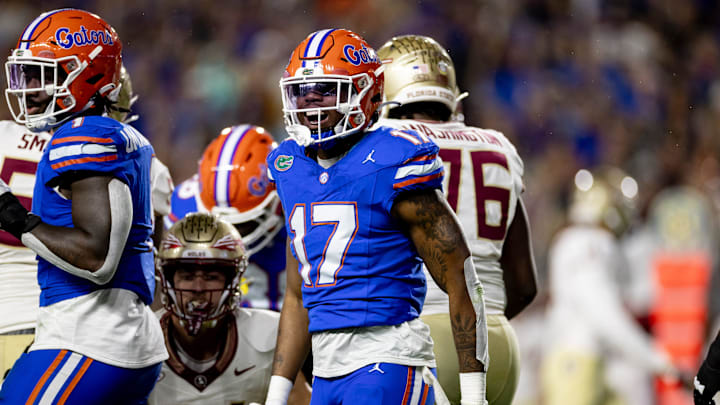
(605, 196)
(121, 110)
(72, 56)
(234, 184)
(418, 69)
(201, 241)
(332, 61)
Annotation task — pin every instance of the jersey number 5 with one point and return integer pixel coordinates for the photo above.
(485, 194)
(343, 217)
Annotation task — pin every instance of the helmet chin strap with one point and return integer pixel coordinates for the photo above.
(50, 122)
(41, 125)
(300, 134)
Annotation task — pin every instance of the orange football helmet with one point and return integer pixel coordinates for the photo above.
(235, 186)
(69, 54)
(336, 61)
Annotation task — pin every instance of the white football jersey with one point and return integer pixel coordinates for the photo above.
(20, 152)
(241, 373)
(482, 183)
(586, 313)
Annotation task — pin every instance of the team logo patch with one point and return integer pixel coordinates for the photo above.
(67, 39)
(324, 177)
(283, 162)
(200, 381)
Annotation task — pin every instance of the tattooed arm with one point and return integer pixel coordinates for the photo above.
(439, 240)
(293, 341)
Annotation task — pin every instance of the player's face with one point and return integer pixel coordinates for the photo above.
(199, 288)
(318, 95)
(34, 78)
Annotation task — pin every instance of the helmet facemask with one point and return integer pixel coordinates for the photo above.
(258, 226)
(199, 308)
(347, 103)
(53, 80)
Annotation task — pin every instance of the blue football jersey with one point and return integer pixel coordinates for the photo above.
(358, 267)
(107, 147)
(185, 200)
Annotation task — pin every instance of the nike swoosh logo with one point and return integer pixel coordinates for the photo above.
(238, 372)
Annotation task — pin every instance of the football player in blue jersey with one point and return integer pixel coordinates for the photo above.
(96, 341)
(364, 210)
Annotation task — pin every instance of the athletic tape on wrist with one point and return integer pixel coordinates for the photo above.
(472, 388)
(278, 390)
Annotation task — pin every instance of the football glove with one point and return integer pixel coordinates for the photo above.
(14, 218)
(707, 386)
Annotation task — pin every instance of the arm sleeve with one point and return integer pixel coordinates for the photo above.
(162, 187)
(121, 212)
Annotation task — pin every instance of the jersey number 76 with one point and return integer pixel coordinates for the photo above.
(485, 192)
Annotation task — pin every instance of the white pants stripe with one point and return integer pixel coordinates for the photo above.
(67, 370)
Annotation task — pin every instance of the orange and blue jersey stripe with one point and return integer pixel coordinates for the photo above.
(76, 150)
(422, 169)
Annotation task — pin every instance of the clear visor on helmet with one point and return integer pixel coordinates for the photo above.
(313, 97)
(297, 92)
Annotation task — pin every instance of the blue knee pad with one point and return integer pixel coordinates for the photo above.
(380, 383)
(63, 375)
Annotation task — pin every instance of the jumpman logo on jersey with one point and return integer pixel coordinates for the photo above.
(369, 157)
(376, 367)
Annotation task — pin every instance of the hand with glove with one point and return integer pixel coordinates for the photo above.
(707, 381)
(14, 218)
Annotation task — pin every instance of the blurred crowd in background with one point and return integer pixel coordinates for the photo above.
(573, 83)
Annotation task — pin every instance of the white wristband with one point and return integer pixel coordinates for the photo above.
(472, 388)
(278, 390)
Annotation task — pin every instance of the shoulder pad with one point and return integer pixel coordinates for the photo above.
(281, 158)
(395, 147)
(259, 326)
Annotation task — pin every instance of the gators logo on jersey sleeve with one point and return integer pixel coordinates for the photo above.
(283, 162)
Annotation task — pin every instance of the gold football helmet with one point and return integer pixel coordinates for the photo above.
(418, 69)
(605, 196)
(121, 110)
(201, 241)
